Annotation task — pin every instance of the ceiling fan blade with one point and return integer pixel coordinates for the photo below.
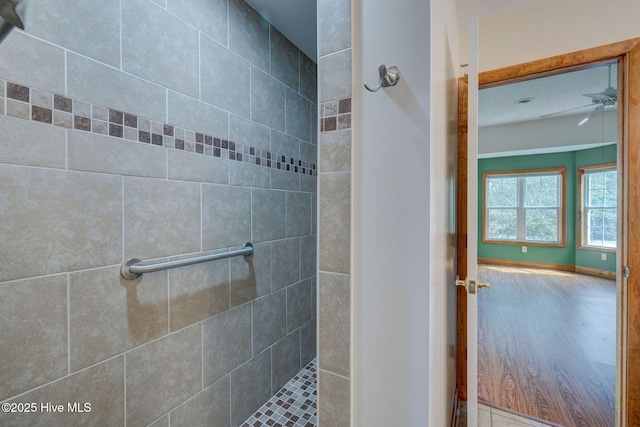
(591, 113)
(607, 95)
(564, 111)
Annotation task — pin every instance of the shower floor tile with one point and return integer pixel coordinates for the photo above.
(293, 406)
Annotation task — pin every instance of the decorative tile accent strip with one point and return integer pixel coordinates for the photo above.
(46, 107)
(293, 406)
(335, 115)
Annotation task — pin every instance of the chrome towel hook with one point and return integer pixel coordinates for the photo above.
(388, 77)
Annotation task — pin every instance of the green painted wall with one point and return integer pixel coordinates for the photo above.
(569, 255)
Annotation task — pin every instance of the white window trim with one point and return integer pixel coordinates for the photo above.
(521, 217)
(582, 224)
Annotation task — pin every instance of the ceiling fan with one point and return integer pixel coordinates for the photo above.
(601, 100)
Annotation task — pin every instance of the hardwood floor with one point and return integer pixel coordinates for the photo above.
(547, 345)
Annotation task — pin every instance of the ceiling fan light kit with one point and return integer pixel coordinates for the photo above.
(601, 100)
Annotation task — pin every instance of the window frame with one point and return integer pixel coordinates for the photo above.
(581, 225)
(562, 172)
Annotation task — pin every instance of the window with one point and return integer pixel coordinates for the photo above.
(524, 207)
(599, 205)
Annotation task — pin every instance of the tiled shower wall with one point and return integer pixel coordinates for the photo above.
(334, 223)
(153, 129)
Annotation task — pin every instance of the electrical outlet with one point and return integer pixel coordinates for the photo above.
(524, 249)
(603, 257)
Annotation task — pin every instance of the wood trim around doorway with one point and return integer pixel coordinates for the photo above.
(628, 52)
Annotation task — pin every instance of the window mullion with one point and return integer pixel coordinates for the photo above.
(521, 215)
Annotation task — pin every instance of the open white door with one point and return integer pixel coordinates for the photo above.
(470, 282)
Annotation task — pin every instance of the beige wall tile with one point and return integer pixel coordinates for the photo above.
(227, 342)
(308, 256)
(56, 221)
(209, 408)
(188, 166)
(192, 114)
(246, 132)
(298, 214)
(334, 400)
(98, 84)
(161, 422)
(246, 174)
(267, 100)
(285, 60)
(198, 292)
(309, 151)
(335, 151)
(158, 46)
(250, 387)
(285, 362)
(298, 110)
(299, 309)
(334, 323)
(163, 374)
(224, 78)
(31, 143)
(161, 218)
(208, 16)
(269, 316)
(110, 315)
(334, 22)
(268, 215)
(284, 144)
(251, 277)
(334, 225)
(248, 34)
(335, 76)
(90, 27)
(285, 263)
(226, 216)
(283, 180)
(18, 54)
(308, 334)
(102, 386)
(97, 153)
(33, 337)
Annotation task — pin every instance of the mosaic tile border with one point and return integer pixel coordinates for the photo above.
(335, 115)
(295, 405)
(29, 103)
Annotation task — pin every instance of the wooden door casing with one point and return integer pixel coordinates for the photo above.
(628, 53)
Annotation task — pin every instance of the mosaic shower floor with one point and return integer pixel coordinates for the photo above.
(293, 406)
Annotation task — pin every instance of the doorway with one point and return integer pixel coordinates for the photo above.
(546, 338)
(627, 301)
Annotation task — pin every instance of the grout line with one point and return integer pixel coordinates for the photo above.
(124, 356)
(199, 65)
(122, 218)
(228, 46)
(66, 74)
(121, 34)
(68, 324)
(202, 353)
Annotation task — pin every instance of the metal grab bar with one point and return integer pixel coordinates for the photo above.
(133, 267)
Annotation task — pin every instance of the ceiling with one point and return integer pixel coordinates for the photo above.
(557, 93)
(296, 19)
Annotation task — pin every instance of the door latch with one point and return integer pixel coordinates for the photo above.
(472, 286)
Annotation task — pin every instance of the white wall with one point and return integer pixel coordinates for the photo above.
(402, 188)
(546, 134)
(552, 27)
(443, 157)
